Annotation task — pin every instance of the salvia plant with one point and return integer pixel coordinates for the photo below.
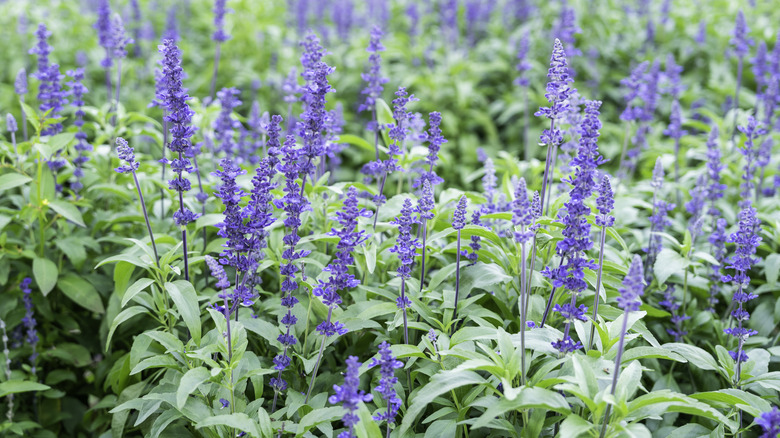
(340, 219)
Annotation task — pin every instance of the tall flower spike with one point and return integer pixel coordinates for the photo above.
(350, 396)
(387, 365)
(458, 223)
(220, 10)
(629, 300)
(373, 78)
(50, 95)
(30, 323)
(20, 88)
(557, 93)
(225, 126)
(741, 43)
(78, 90)
(752, 130)
(747, 241)
(313, 117)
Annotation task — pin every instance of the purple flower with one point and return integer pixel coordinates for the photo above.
(671, 304)
(761, 68)
(373, 78)
(350, 396)
(605, 203)
(225, 126)
(232, 227)
(475, 245)
(671, 77)
(10, 123)
(717, 241)
(435, 141)
(565, 29)
(674, 130)
(340, 278)
(125, 153)
(426, 202)
(387, 365)
(522, 213)
(701, 34)
(406, 244)
(50, 95)
(557, 94)
(224, 402)
(103, 27)
(29, 321)
(740, 40)
(752, 131)
(633, 287)
(313, 117)
(171, 31)
(747, 241)
(218, 272)
(770, 423)
(77, 90)
(20, 84)
(119, 40)
(714, 189)
(523, 65)
(459, 216)
(342, 18)
(219, 35)
(179, 118)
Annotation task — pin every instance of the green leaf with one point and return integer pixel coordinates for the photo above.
(574, 426)
(772, 268)
(11, 180)
(68, 211)
(81, 292)
(370, 252)
(440, 383)
(17, 386)
(239, 421)
(669, 262)
(264, 421)
(45, 273)
(189, 383)
(122, 317)
(186, 299)
(135, 289)
(318, 416)
(32, 115)
(356, 141)
(367, 427)
(527, 398)
(695, 355)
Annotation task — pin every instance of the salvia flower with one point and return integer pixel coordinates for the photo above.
(672, 305)
(522, 213)
(10, 123)
(523, 65)
(218, 272)
(752, 130)
(406, 245)
(313, 118)
(740, 39)
(557, 94)
(125, 153)
(605, 203)
(426, 202)
(103, 27)
(340, 278)
(119, 40)
(658, 220)
(373, 78)
(225, 126)
(50, 95)
(78, 90)
(219, 34)
(387, 365)
(770, 423)
(435, 141)
(715, 188)
(29, 322)
(717, 241)
(459, 216)
(20, 84)
(350, 396)
(747, 241)
(179, 118)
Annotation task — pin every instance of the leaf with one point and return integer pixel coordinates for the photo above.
(189, 383)
(669, 262)
(439, 384)
(574, 426)
(122, 317)
(356, 141)
(370, 252)
(481, 276)
(772, 268)
(186, 299)
(81, 292)
(135, 289)
(527, 398)
(68, 211)
(367, 427)
(45, 273)
(264, 421)
(239, 420)
(695, 355)
(318, 416)
(645, 352)
(11, 180)
(17, 386)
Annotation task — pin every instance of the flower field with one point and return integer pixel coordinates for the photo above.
(390, 218)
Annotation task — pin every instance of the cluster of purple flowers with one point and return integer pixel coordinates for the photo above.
(179, 118)
(747, 241)
(29, 321)
(77, 90)
(770, 422)
(642, 96)
(435, 141)
(373, 78)
(51, 97)
(314, 115)
(557, 93)
(658, 220)
(387, 365)
(405, 246)
(340, 278)
(225, 126)
(672, 306)
(752, 131)
(219, 34)
(350, 396)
